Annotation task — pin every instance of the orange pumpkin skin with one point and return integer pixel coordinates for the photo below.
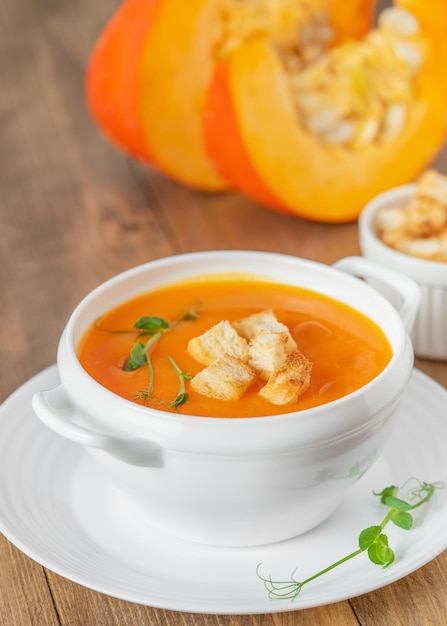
(128, 91)
(113, 76)
(306, 178)
(224, 144)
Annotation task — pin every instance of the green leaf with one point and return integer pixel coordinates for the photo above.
(371, 540)
(137, 357)
(402, 519)
(182, 398)
(189, 315)
(368, 536)
(151, 325)
(380, 553)
(396, 503)
(388, 491)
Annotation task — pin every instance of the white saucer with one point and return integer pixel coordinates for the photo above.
(55, 507)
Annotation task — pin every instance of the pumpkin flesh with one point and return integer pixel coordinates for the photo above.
(176, 68)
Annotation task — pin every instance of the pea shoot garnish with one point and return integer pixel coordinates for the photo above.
(371, 540)
(139, 355)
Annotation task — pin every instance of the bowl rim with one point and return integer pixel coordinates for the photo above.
(68, 343)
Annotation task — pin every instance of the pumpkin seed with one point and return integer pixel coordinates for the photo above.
(340, 134)
(409, 53)
(367, 131)
(323, 121)
(398, 21)
(393, 120)
(359, 92)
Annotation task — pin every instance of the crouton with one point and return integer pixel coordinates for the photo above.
(428, 248)
(219, 339)
(393, 238)
(289, 381)
(427, 214)
(252, 325)
(227, 378)
(267, 352)
(433, 185)
(420, 229)
(391, 219)
(426, 217)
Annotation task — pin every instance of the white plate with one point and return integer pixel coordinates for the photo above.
(56, 508)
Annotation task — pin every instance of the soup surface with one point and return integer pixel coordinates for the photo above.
(346, 349)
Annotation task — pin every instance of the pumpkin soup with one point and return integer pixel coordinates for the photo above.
(233, 346)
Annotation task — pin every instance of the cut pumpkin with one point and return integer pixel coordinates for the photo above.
(112, 81)
(149, 74)
(176, 69)
(319, 143)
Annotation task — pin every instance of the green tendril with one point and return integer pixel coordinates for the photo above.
(139, 355)
(371, 540)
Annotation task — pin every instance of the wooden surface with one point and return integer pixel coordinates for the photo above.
(73, 212)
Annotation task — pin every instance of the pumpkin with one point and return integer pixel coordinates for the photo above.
(112, 81)
(176, 67)
(149, 74)
(321, 141)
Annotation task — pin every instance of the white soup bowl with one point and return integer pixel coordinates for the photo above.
(238, 481)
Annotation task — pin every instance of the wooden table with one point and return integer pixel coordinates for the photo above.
(73, 212)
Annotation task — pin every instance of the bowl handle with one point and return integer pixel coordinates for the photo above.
(54, 409)
(408, 290)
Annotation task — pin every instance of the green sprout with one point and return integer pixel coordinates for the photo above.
(371, 540)
(139, 355)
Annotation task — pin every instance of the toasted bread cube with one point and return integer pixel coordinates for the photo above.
(394, 238)
(428, 248)
(433, 185)
(289, 381)
(219, 339)
(426, 217)
(427, 213)
(267, 352)
(254, 324)
(391, 219)
(228, 378)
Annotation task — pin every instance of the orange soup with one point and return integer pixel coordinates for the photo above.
(346, 349)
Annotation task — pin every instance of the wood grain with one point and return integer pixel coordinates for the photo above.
(73, 212)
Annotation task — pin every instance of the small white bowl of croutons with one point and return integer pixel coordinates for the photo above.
(405, 229)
